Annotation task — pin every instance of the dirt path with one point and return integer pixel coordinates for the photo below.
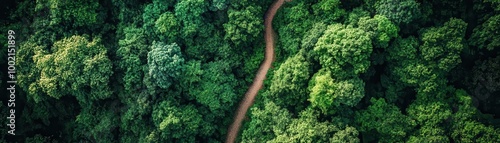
(261, 74)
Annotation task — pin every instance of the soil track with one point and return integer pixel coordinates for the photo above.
(259, 77)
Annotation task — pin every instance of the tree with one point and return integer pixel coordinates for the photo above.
(243, 25)
(495, 4)
(75, 13)
(95, 124)
(386, 119)
(312, 36)
(189, 12)
(484, 82)
(429, 134)
(289, 81)
(327, 93)
(155, 18)
(295, 23)
(399, 12)
(481, 36)
(165, 63)
(39, 139)
(175, 122)
(431, 113)
(76, 67)
(133, 57)
(266, 122)
(27, 77)
(219, 5)
(380, 28)
(216, 90)
(328, 10)
(348, 135)
(355, 15)
(465, 127)
(344, 50)
(305, 129)
(442, 46)
(167, 25)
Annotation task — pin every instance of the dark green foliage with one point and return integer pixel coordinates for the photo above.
(174, 122)
(243, 25)
(75, 67)
(95, 125)
(175, 70)
(485, 83)
(305, 129)
(328, 10)
(466, 128)
(298, 21)
(266, 123)
(312, 36)
(483, 37)
(380, 28)
(385, 119)
(398, 11)
(74, 13)
(442, 46)
(165, 63)
(39, 139)
(327, 93)
(215, 90)
(133, 57)
(189, 12)
(154, 18)
(344, 49)
(289, 81)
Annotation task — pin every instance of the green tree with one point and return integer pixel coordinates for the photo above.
(76, 67)
(175, 122)
(328, 10)
(481, 36)
(189, 12)
(429, 134)
(312, 36)
(168, 26)
(386, 119)
(266, 122)
(327, 93)
(27, 77)
(344, 50)
(75, 13)
(442, 46)
(398, 11)
(219, 5)
(305, 129)
(216, 90)
(465, 127)
(380, 28)
(296, 21)
(165, 63)
(39, 139)
(155, 18)
(348, 135)
(133, 57)
(355, 15)
(95, 124)
(289, 81)
(243, 25)
(484, 83)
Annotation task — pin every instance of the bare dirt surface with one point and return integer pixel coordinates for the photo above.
(259, 77)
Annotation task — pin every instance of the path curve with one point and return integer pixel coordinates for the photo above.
(259, 77)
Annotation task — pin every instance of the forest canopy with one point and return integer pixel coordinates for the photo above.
(176, 70)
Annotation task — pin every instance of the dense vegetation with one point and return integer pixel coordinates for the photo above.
(175, 70)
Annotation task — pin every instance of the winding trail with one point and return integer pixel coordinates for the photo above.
(259, 77)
